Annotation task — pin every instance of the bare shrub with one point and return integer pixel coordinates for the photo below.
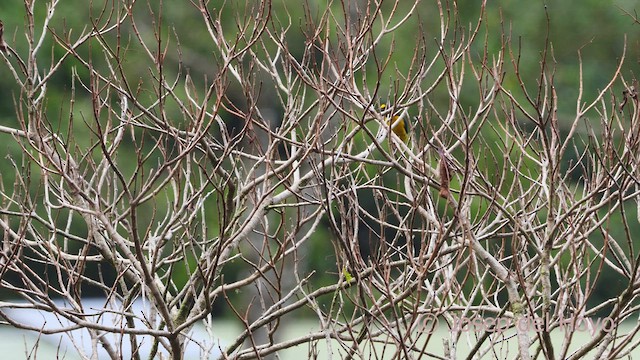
(221, 177)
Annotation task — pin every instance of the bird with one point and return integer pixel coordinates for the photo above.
(400, 127)
(3, 45)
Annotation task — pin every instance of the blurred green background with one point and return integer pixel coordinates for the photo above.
(597, 29)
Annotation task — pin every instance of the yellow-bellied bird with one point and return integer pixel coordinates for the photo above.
(400, 127)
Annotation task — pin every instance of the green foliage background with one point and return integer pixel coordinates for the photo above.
(595, 29)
